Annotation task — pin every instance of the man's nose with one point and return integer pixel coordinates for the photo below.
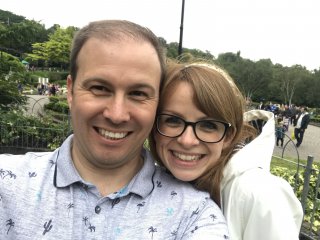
(117, 110)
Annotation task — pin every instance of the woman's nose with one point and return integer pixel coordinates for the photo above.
(188, 137)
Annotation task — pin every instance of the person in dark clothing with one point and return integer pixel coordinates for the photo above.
(301, 125)
(280, 129)
(53, 90)
(293, 114)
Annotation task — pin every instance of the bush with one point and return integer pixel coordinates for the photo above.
(58, 104)
(293, 178)
(22, 131)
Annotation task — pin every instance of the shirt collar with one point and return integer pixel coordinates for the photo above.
(65, 171)
(143, 184)
(66, 174)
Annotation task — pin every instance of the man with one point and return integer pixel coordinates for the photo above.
(301, 125)
(293, 114)
(101, 183)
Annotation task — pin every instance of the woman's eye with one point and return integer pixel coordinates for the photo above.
(173, 121)
(208, 125)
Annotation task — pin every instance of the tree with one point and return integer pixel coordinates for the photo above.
(56, 50)
(18, 37)
(172, 50)
(243, 71)
(8, 18)
(304, 89)
(11, 70)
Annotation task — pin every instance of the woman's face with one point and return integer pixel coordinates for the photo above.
(186, 156)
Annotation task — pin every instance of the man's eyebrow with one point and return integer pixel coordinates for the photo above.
(109, 83)
(141, 85)
(95, 79)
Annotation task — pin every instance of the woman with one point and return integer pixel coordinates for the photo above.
(200, 135)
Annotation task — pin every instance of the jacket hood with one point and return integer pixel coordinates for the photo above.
(255, 154)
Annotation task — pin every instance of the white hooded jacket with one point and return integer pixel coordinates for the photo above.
(257, 204)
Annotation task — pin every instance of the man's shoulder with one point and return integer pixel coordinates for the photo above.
(19, 163)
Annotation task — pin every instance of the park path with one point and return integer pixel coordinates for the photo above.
(36, 103)
(310, 144)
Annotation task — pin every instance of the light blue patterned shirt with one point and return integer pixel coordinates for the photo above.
(42, 196)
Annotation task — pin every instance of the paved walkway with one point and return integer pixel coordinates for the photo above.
(35, 103)
(310, 144)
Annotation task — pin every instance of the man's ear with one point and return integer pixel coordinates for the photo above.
(70, 90)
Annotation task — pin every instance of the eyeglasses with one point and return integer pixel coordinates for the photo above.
(209, 131)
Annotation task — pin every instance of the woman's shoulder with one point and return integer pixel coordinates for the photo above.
(260, 183)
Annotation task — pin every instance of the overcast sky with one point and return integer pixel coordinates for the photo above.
(286, 31)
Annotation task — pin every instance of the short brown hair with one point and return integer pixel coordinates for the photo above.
(114, 30)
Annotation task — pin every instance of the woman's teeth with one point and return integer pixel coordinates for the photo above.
(185, 157)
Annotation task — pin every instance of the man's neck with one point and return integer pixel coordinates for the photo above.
(108, 180)
(111, 180)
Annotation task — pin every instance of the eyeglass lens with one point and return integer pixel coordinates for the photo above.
(205, 130)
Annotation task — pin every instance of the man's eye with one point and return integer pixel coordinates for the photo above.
(99, 90)
(140, 95)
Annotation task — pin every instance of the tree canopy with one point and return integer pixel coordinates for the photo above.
(258, 80)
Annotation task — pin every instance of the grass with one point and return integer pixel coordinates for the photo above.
(290, 164)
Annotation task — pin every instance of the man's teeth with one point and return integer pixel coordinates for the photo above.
(186, 157)
(111, 135)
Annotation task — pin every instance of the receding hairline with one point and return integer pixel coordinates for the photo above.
(112, 31)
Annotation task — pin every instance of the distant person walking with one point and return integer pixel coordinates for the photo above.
(301, 125)
(280, 129)
(52, 90)
(293, 114)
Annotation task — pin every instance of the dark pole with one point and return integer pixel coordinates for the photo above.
(181, 29)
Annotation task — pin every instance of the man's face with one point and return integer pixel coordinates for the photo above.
(113, 102)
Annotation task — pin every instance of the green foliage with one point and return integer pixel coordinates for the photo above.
(9, 63)
(56, 50)
(289, 173)
(10, 97)
(172, 50)
(58, 104)
(31, 132)
(57, 76)
(263, 81)
(11, 72)
(17, 37)
(8, 18)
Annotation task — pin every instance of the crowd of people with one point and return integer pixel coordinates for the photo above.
(49, 89)
(286, 116)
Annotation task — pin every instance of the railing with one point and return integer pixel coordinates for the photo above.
(305, 180)
(310, 200)
(21, 139)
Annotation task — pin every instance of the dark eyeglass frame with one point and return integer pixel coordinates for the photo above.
(193, 124)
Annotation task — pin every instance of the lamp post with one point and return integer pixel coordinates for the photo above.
(181, 29)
